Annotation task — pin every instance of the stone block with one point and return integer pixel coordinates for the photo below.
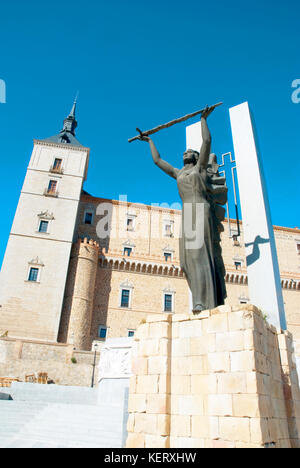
(246, 406)
(145, 423)
(235, 429)
(203, 384)
(149, 347)
(199, 365)
(216, 324)
(181, 425)
(156, 442)
(230, 383)
(158, 365)
(135, 441)
(222, 444)
(181, 366)
(218, 362)
(130, 423)
(157, 404)
(140, 366)
(147, 384)
(180, 347)
(186, 442)
(163, 424)
(203, 345)
(132, 384)
(180, 385)
(190, 329)
(220, 405)
(142, 332)
(242, 361)
(200, 427)
(164, 347)
(230, 341)
(159, 330)
(164, 383)
(180, 318)
(190, 405)
(137, 403)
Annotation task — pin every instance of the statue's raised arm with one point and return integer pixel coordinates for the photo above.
(163, 165)
(206, 139)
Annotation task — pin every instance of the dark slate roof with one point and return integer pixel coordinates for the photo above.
(65, 138)
(67, 134)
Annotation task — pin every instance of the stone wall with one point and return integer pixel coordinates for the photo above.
(222, 379)
(21, 357)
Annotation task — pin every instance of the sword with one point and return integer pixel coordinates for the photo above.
(170, 124)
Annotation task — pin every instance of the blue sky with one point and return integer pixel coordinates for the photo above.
(141, 64)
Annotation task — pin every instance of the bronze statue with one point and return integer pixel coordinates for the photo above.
(202, 192)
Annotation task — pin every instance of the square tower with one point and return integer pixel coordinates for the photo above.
(35, 266)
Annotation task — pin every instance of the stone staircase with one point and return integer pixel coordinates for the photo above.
(37, 423)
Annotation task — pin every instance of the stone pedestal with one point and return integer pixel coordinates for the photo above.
(222, 379)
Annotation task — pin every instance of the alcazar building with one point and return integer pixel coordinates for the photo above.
(63, 283)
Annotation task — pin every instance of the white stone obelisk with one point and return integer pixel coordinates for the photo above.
(262, 262)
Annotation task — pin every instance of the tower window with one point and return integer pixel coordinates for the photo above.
(57, 166)
(102, 332)
(52, 186)
(88, 218)
(235, 240)
(298, 248)
(131, 333)
(44, 225)
(168, 303)
(33, 275)
(127, 251)
(168, 256)
(125, 295)
(130, 223)
(238, 265)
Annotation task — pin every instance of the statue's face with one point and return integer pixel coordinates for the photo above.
(190, 157)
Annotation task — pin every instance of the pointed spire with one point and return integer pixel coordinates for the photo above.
(73, 110)
(70, 123)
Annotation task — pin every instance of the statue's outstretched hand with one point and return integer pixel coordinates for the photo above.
(144, 138)
(207, 111)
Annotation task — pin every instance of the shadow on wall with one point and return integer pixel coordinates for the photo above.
(254, 256)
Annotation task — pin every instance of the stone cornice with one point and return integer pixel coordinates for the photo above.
(63, 146)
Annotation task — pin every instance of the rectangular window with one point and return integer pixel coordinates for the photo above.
(168, 303)
(57, 164)
(129, 224)
(238, 265)
(33, 274)
(44, 226)
(168, 256)
(52, 186)
(131, 333)
(127, 251)
(125, 298)
(88, 219)
(235, 240)
(102, 332)
(298, 249)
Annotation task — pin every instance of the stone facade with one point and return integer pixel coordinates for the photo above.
(223, 379)
(21, 357)
(32, 309)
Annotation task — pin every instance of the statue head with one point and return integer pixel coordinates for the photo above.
(190, 157)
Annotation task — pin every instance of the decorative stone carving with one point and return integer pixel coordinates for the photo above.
(115, 360)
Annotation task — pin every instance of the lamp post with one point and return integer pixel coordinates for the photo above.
(94, 365)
